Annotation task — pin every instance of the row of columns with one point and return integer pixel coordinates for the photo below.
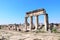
(36, 24)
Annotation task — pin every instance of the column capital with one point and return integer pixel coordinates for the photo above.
(30, 16)
(46, 13)
(26, 17)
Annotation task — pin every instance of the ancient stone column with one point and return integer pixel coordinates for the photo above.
(36, 23)
(26, 23)
(9, 27)
(46, 22)
(31, 22)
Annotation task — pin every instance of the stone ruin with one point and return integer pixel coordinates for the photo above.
(31, 14)
(36, 13)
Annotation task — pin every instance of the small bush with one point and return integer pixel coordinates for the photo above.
(38, 31)
(54, 30)
(0, 27)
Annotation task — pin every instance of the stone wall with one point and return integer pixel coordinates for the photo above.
(19, 27)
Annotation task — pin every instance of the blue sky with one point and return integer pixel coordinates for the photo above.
(13, 11)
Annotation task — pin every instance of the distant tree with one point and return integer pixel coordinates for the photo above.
(16, 25)
(51, 26)
(0, 26)
(57, 24)
(54, 30)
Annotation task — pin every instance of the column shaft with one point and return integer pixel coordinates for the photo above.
(26, 23)
(36, 23)
(46, 22)
(31, 22)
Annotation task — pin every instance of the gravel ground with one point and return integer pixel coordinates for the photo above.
(14, 35)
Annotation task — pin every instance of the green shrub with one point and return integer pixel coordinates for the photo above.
(39, 31)
(54, 30)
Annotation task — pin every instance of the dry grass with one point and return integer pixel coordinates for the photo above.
(13, 35)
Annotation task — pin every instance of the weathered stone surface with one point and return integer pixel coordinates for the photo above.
(36, 13)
